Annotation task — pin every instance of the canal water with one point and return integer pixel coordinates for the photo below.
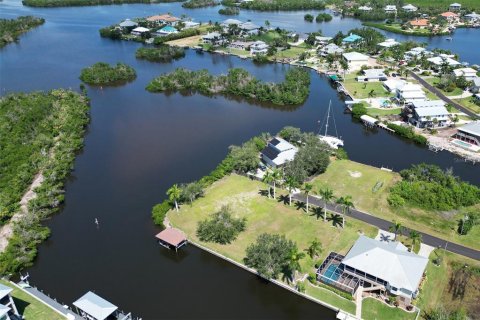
(138, 144)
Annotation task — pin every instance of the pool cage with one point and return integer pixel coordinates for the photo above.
(331, 272)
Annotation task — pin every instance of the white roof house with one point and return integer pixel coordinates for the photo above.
(365, 8)
(278, 152)
(4, 291)
(390, 8)
(388, 261)
(355, 56)
(259, 47)
(472, 17)
(392, 84)
(95, 306)
(472, 129)
(331, 48)
(372, 75)
(438, 61)
(213, 38)
(410, 92)
(388, 43)
(4, 312)
(128, 23)
(455, 6)
(409, 8)
(140, 30)
(468, 73)
(190, 24)
(228, 22)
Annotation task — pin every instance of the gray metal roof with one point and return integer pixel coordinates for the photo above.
(3, 310)
(388, 261)
(432, 112)
(472, 128)
(4, 291)
(95, 306)
(428, 104)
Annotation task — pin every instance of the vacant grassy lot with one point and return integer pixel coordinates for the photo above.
(441, 288)
(469, 104)
(293, 52)
(186, 42)
(350, 178)
(30, 308)
(383, 112)
(361, 90)
(435, 80)
(265, 215)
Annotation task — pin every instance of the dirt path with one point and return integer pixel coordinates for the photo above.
(7, 230)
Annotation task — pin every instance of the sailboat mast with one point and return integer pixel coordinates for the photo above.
(328, 116)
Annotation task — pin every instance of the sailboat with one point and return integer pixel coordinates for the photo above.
(333, 142)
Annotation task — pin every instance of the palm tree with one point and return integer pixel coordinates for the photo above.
(346, 204)
(307, 188)
(291, 184)
(268, 179)
(396, 228)
(314, 249)
(276, 175)
(294, 261)
(327, 196)
(174, 194)
(415, 237)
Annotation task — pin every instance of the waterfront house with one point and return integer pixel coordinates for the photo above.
(468, 73)
(475, 87)
(455, 7)
(355, 60)
(388, 43)
(165, 31)
(163, 19)
(410, 92)
(469, 133)
(322, 41)
(352, 39)
(390, 9)
(419, 23)
(128, 24)
(372, 75)
(409, 8)
(229, 22)
(278, 152)
(138, 31)
(258, 47)
(190, 24)
(240, 45)
(437, 62)
(472, 17)
(365, 8)
(378, 266)
(8, 309)
(331, 48)
(429, 113)
(249, 27)
(392, 85)
(451, 17)
(417, 51)
(213, 38)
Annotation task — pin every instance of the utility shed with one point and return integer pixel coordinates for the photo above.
(94, 306)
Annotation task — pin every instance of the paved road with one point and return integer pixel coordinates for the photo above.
(385, 224)
(442, 96)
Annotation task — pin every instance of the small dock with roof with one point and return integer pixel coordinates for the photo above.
(172, 238)
(93, 307)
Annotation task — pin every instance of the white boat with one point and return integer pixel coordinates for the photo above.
(333, 141)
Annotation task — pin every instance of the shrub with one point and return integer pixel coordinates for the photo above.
(308, 17)
(103, 74)
(358, 110)
(159, 212)
(163, 53)
(395, 200)
(300, 286)
(221, 227)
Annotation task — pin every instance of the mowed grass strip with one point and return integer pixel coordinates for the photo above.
(330, 297)
(31, 308)
(265, 215)
(346, 177)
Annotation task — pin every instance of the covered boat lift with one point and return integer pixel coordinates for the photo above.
(93, 307)
(172, 238)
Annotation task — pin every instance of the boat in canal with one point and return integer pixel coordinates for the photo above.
(333, 141)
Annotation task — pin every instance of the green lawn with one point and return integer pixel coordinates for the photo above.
(31, 308)
(293, 52)
(361, 90)
(329, 297)
(435, 289)
(343, 177)
(374, 112)
(265, 215)
(469, 104)
(433, 81)
(375, 310)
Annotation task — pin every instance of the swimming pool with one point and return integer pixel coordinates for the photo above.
(462, 144)
(330, 272)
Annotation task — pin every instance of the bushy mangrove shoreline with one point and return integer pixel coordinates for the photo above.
(11, 29)
(104, 74)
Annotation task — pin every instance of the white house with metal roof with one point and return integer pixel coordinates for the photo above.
(410, 92)
(455, 6)
(7, 305)
(429, 113)
(469, 133)
(468, 73)
(440, 60)
(409, 8)
(258, 47)
(278, 152)
(355, 60)
(372, 75)
(390, 8)
(387, 264)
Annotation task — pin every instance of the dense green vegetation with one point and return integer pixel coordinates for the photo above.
(192, 4)
(429, 187)
(77, 3)
(274, 5)
(104, 74)
(408, 132)
(270, 255)
(238, 82)
(358, 110)
(221, 227)
(11, 29)
(39, 133)
(229, 11)
(163, 53)
(308, 17)
(323, 17)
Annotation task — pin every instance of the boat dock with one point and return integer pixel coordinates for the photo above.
(371, 122)
(172, 238)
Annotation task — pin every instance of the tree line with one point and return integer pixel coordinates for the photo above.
(11, 29)
(102, 73)
(162, 53)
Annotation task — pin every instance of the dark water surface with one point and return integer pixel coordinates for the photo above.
(138, 144)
